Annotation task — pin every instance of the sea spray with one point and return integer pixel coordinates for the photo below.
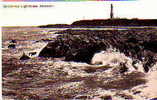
(113, 57)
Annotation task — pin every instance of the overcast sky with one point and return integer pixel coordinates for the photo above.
(68, 12)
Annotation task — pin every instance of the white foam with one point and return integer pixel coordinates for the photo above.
(113, 57)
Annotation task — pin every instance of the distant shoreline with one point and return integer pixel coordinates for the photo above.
(105, 22)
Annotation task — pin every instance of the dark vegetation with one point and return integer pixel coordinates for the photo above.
(80, 45)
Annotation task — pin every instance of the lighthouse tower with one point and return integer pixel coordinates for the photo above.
(111, 12)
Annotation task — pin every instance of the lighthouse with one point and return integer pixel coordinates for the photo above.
(111, 12)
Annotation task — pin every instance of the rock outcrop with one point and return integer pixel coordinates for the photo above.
(81, 45)
(24, 57)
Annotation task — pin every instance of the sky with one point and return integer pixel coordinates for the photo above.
(68, 12)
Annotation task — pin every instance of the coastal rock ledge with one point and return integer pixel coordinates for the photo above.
(81, 45)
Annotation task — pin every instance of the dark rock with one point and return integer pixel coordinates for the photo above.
(108, 97)
(137, 92)
(36, 41)
(24, 57)
(125, 96)
(90, 70)
(46, 40)
(32, 53)
(154, 99)
(123, 68)
(96, 69)
(80, 45)
(135, 61)
(54, 49)
(81, 97)
(13, 41)
(12, 46)
(81, 55)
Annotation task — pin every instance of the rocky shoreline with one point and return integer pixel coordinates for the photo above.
(80, 45)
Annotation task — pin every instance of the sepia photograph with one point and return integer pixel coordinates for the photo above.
(79, 49)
